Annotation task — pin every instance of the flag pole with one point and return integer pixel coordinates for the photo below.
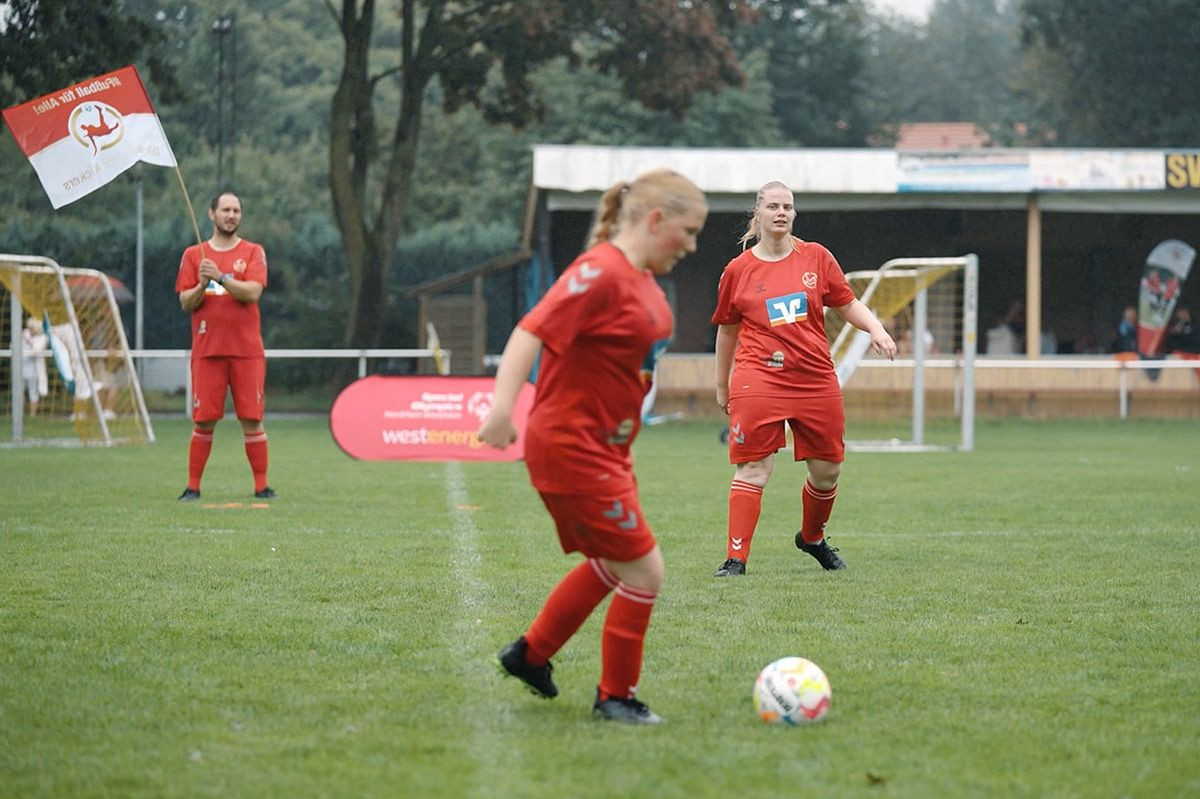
(191, 211)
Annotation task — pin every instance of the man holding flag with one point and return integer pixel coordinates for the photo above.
(219, 284)
(81, 138)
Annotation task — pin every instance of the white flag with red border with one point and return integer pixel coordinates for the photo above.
(82, 137)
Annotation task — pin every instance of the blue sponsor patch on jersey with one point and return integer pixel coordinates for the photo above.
(788, 309)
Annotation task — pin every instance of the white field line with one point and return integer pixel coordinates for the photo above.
(464, 648)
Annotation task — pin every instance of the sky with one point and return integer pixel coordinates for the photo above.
(913, 9)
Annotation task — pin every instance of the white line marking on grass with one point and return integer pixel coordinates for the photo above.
(485, 739)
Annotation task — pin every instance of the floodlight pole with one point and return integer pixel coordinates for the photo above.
(221, 27)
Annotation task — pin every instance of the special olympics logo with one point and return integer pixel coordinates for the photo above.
(480, 404)
(809, 279)
(97, 126)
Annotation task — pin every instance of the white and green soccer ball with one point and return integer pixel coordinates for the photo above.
(792, 691)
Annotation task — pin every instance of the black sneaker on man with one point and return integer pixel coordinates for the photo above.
(189, 495)
(511, 662)
(826, 555)
(626, 711)
(266, 493)
(731, 568)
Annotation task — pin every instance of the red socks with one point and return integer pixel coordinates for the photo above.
(256, 453)
(198, 452)
(567, 608)
(623, 639)
(818, 504)
(745, 505)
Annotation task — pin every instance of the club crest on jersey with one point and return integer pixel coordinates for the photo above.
(788, 309)
(809, 279)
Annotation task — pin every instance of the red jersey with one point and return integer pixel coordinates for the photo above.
(603, 325)
(223, 325)
(782, 349)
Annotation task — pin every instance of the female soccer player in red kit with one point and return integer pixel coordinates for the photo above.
(774, 368)
(599, 329)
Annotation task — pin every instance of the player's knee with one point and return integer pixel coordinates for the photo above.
(824, 474)
(755, 472)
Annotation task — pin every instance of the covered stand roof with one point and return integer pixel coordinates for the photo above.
(1092, 181)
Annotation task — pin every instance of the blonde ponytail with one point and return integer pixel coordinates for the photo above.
(628, 201)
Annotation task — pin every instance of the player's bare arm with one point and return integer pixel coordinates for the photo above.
(726, 345)
(193, 298)
(242, 290)
(516, 363)
(864, 319)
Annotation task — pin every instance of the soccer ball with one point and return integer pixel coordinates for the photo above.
(792, 691)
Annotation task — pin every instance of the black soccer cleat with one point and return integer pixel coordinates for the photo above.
(511, 662)
(731, 568)
(189, 495)
(626, 711)
(826, 555)
(266, 493)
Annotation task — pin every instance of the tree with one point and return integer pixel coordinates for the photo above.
(46, 46)
(1104, 73)
(815, 63)
(959, 66)
(483, 54)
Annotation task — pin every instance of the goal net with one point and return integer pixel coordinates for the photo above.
(66, 373)
(925, 399)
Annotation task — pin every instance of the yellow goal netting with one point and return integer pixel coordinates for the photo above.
(66, 373)
(925, 398)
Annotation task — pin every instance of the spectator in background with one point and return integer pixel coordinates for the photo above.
(1088, 345)
(1126, 338)
(1000, 338)
(905, 345)
(1181, 335)
(33, 363)
(1048, 342)
(1015, 319)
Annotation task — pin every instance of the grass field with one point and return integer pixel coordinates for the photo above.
(1020, 621)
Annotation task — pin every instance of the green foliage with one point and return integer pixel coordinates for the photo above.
(586, 107)
(1016, 621)
(46, 46)
(1110, 74)
(816, 52)
(961, 66)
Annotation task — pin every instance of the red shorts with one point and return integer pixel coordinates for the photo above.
(613, 528)
(756, 427)
(212, 377)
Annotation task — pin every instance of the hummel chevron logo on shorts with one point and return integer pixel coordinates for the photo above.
(617, 511)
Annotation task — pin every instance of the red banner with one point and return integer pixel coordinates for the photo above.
(422, 418)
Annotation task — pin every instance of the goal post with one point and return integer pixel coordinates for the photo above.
(68, 377)
(925, 399)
